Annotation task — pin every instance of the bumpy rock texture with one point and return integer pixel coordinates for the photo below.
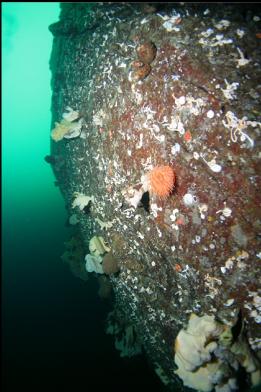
(195, 108)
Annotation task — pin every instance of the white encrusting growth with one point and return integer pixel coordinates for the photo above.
(216, 168)
(229, 91)
(238, 126)
(242, 61)
(210, 114)
(188, 199)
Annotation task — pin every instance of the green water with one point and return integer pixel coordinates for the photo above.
(27, 179)
(52, 323)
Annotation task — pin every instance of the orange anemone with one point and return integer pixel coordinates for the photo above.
(161, 181)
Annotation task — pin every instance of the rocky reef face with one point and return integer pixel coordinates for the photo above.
(139, 86)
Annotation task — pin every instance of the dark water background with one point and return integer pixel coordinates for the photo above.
(52, 323)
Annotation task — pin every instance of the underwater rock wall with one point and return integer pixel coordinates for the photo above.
(142, 86)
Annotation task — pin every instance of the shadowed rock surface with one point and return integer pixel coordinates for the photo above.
(196, 108)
